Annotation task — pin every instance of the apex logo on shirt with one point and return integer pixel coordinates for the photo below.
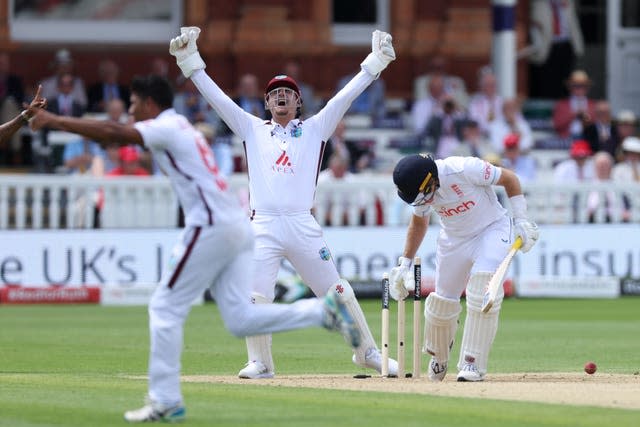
(461, 208)
(283, 164)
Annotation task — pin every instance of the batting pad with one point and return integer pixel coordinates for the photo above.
(441, 322)
(345, 291)
(259, 346)
(479, 328)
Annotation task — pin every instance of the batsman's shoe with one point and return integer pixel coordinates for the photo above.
(254, 370)
(469, 372)
(156, 412)
(337, 318)
(437, 370)
(373, 360)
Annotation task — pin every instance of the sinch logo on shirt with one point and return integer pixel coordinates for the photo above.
(283, 164)
(463, 207)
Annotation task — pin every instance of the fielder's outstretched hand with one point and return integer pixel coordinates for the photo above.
(185, 50)
(382, 53)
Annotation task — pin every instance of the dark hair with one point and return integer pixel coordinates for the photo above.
(155, 87)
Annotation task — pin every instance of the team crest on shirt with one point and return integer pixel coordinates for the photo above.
(296, 132)
(325, 255)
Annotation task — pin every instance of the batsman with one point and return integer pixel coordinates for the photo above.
(475, 236)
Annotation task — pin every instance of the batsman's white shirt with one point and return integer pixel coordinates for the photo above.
(283, 165)
(476, 231)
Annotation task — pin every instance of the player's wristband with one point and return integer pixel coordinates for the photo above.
(25, 116)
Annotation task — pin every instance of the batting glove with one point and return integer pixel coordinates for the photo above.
(528, 232)
(186, 52)
(399, 278)
(381, 55)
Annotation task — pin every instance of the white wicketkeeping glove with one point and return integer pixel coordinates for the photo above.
(528, 231)
(381, 55)
(186, 52)
(400, 278)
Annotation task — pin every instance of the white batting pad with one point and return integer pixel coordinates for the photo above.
(345, 291)
(259, 346)
(441, 322)
(479, 328)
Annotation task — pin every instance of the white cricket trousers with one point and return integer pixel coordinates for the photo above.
(220, 258)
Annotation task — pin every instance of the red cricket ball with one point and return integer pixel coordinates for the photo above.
(590, 367)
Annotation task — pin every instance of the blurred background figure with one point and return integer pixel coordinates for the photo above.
(129, 163)
(473, 143)
(577, 169)
(189, 102)
(62, 64)
(511, 121)
(107, 87)
(159, 66)
(424, 108)
(338, 171)
(607, 200)
(600, 133)
(628, 171)
(358, 154)
(486, 104)
(512, 158)
(572, 114)
(625, 126)
(444, 130)
(78, 157)
(249, 97)
(371, 102)
(453, 85)
(556, 42)
(310, 103)
(11, 98)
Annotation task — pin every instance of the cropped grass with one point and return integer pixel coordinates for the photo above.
(73, 366)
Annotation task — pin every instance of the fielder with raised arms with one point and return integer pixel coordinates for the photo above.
(283, 160)
(476, 235)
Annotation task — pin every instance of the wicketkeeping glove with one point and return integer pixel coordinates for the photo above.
(381, 55)
(399, 278)
(186, 52)
(528, 231)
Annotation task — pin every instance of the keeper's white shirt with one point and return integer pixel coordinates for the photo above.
(185, 157)
(283, 163)
(465, 202)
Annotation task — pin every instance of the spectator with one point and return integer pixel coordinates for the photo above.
(11, 99)
(556, 42)
(191, 104)
(486, 104)
(78, 156)
(423, 109)
(129, 163)
(63, 65)
(107, 88)
(600, 133)
(570, 115)
(512, 158)
(625, 126)
(453, 85)
(159, 67)
(628, 171)
(473, 142)
(511, 121)
(356, 154)
(311, 104)
(577, 169)
(249, 97)
(603, 163)
(338, 170)
(370, 102)
(444, 130)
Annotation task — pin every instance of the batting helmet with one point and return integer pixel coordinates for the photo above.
(414, 174)
(282, 81)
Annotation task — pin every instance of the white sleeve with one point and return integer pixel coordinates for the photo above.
(154, 134)
(238, 120)
(422, 210)
(480, 172)
(328, 118)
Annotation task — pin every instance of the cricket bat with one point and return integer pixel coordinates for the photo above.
(496, 281)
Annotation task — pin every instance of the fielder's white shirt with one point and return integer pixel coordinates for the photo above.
(184, 155)
(465, 202)
(283, 162)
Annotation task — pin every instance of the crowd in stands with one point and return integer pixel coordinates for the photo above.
(443, 117)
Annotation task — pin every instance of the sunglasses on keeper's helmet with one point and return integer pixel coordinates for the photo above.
(427, 191)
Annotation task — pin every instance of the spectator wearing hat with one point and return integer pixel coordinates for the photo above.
(601, 134)
(63, 64)
(628, 171)
(572, 114)
(577, 169)
(625, 126)
(512, 158)
(511, 121)
(129, 163)
(598, 200)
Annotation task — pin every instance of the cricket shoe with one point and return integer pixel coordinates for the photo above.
(336, 317)
(254, 370)
(373, 360)
(469, 372)
(156, 412)
(437, 370)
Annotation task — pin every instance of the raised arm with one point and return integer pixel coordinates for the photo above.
(12, 126)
